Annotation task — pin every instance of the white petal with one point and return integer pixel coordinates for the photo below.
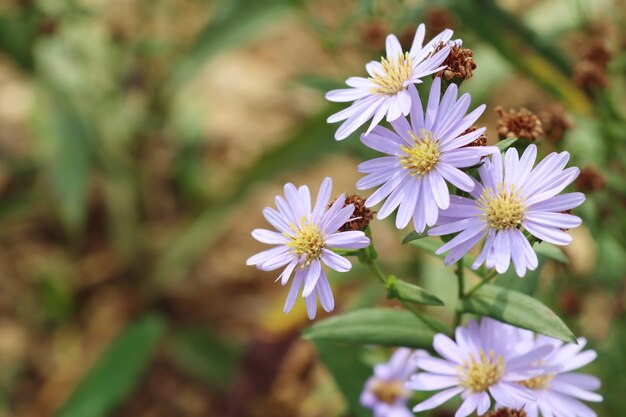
(455, 177)
(439, 189)
(433, 104)
(346, 94)
(325, 293)
(431, 382)
(447, 348)
(502, 246)
(294, 290)
(394, 50)
(347, 240)
(416, 113)
(323, 197)
(313, 272)
(336, 262)
(311, 305)
(437, 399)
(468, 406)
(549, 234)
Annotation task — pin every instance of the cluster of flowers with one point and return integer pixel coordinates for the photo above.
(520, 370)
(425, 155)
(504, 201)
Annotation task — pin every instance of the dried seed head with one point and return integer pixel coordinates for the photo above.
(437, 19)
(373, 35)
(522, 124)
(555, 123)
(570, 301)
(590, 76)
(361, 216)
(506, 412)
(480, 141)
(590, 179)
(459, 63)
(597, 52)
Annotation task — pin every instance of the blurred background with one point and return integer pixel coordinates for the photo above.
(140, 140)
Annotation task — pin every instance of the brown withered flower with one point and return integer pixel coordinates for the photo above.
(506, 412)
(590, 179)
(361, 216)
(590, 76)
(590, 72)
(555, 123)
(522, 124)
(438, 19)
(597, 52)
(480, 141)
(373, 34)
(459, 63)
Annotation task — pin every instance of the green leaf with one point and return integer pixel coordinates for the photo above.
(413, 236)
(550, 251)
(235, 22)
(377, 326)
(344, 361)
(117, 371)
(199, 352)
(66, 140)
(402, 290)
(503, 145)
(517, 309)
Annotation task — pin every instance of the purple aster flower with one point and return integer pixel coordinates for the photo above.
(304, 241)
(483, 361)
(559, 393)
(385, 93)
(424, 154)
(385, 392)
(513, 198)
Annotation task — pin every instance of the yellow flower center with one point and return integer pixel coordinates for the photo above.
(389, 391)
(423, 155)
(395, 74)
(503, 209)
(480, 373)
(539, 382)
(308, 240)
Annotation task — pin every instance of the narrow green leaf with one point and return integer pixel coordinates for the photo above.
(237, 22)
(199, 352)
(66, 140)
(402, 290)
(344, 361)
(377, 326)
(413, 236)
(503, 145)
(550, 251)
(117, 371)
(517, 309)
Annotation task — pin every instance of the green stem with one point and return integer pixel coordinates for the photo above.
(488, 278)
(371, 263)
(461, 294)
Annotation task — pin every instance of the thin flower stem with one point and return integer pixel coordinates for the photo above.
(461, 288)
(488, 278)
(371, 263)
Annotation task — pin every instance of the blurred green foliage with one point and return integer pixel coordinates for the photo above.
(102, 96)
